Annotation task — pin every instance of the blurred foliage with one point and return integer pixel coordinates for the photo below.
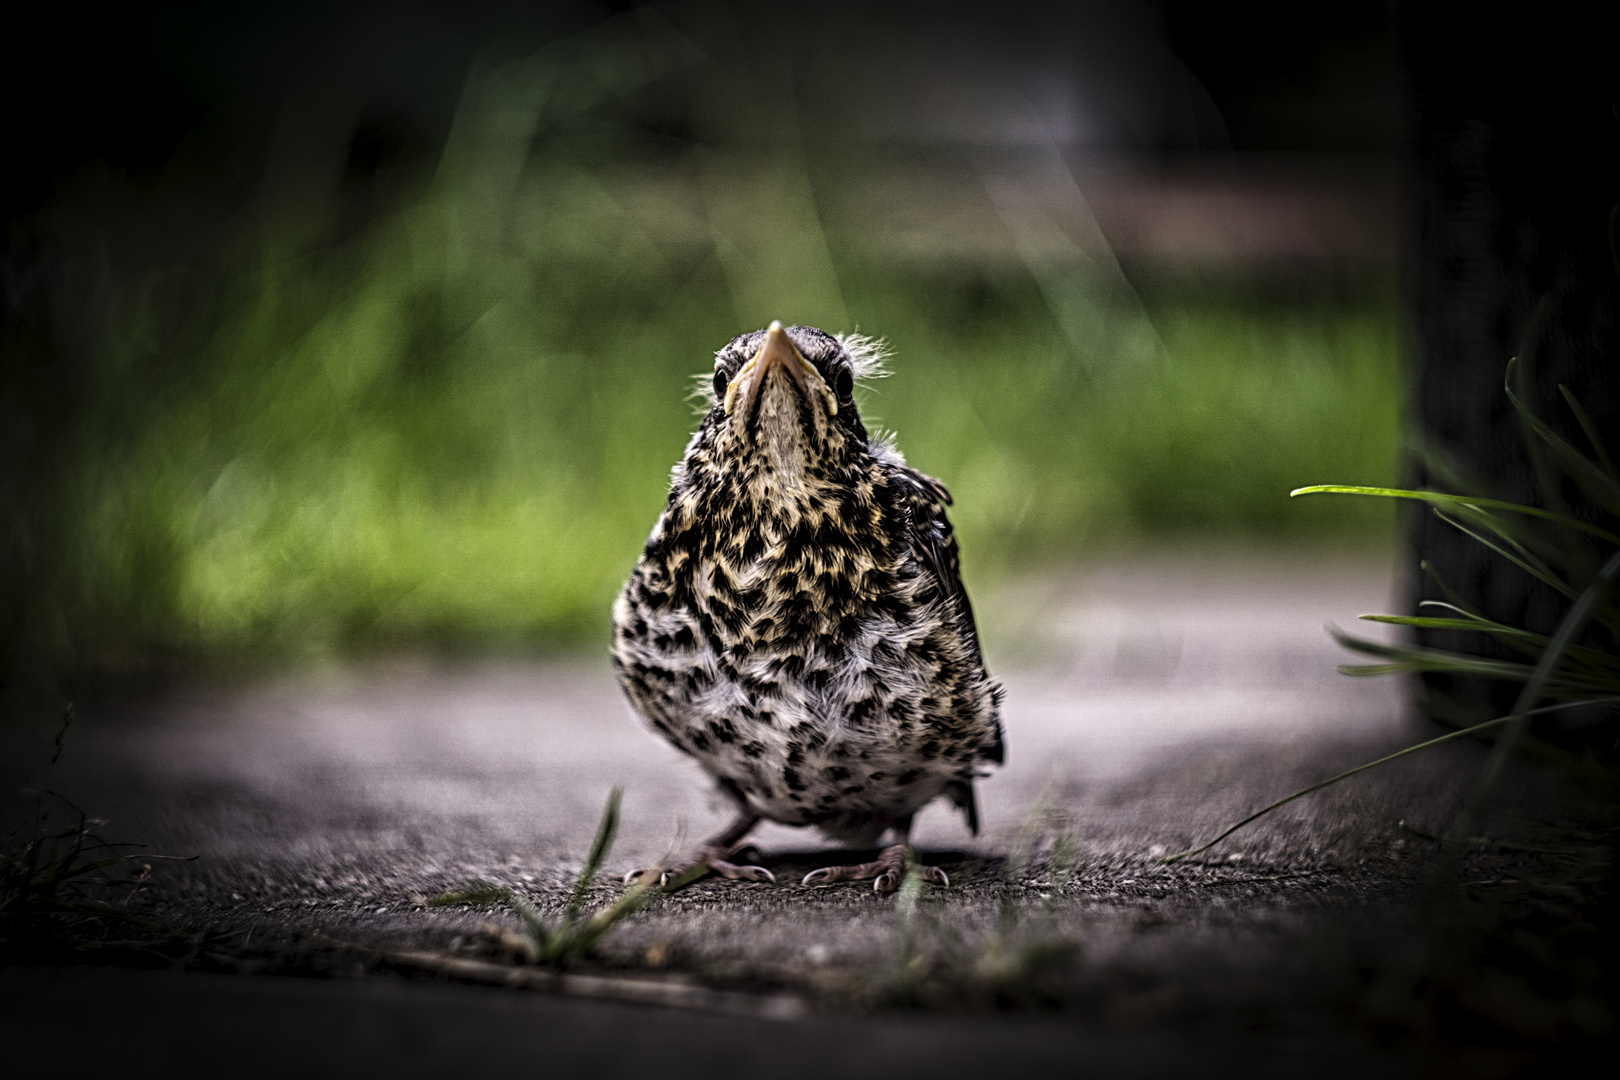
(449, 417)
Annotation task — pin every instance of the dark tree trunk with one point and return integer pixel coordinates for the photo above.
(1515, 154)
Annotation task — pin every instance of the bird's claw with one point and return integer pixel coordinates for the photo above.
(670, 876)
(741, 873)
(889, 880)
(663, 874)
(887, 872)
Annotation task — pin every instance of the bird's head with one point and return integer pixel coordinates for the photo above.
(784, 399)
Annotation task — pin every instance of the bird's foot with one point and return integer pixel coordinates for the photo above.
(887, 871)
(709, 858)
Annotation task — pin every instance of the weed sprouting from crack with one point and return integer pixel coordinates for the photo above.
(574, 936)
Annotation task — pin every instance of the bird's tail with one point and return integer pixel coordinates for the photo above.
(960, 792)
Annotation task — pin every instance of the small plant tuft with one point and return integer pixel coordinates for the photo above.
(55, 879)
(1570, 669)
(573, 937)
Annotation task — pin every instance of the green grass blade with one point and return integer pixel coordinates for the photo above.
(1443, 499)
(1478, 625)
(905, 916)
(911, 890)
(476, 894)
(1418, 658)
(629, 902)
(1521, 640)
(1455, 600)
(1463, 620)
(1575, 622)
(1521, 369)
(1593, 480)
(540, 935)
(600, 847)
(1370, 670)
(1533, 643)
(1475, 729)
(1065, 863)
(1447, 606)
(1300, 794)
(1018, 859)
(1590, 429)
(1538, 569)
(1441, 660)
(1523, 534)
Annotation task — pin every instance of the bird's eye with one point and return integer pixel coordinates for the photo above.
(720, 381)
(844, 383)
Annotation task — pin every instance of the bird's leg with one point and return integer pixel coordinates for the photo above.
(887, 870)
(715, 854)
(718, 850)
(746, 853)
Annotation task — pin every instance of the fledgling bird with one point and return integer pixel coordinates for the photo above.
(797, 621)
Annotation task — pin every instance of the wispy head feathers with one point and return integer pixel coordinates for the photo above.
(868, 355)
(868, 360)
(702, 393)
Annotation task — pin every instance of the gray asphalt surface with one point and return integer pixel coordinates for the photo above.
(1149, 703)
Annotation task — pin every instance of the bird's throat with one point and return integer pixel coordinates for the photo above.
(781, 441)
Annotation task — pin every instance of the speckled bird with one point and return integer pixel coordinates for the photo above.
(797, 621)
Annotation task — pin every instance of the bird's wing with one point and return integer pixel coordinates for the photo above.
(934, 541)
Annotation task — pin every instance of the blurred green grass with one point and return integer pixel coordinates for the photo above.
(453, 425)
(396, 475)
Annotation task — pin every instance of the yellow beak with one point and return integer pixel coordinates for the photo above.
(777, 351)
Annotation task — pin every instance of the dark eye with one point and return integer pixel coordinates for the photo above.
(844, 382)
(720, 381)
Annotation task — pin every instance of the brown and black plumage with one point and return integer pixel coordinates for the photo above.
(797, 621)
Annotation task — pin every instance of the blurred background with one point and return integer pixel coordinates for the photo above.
(333, 328)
